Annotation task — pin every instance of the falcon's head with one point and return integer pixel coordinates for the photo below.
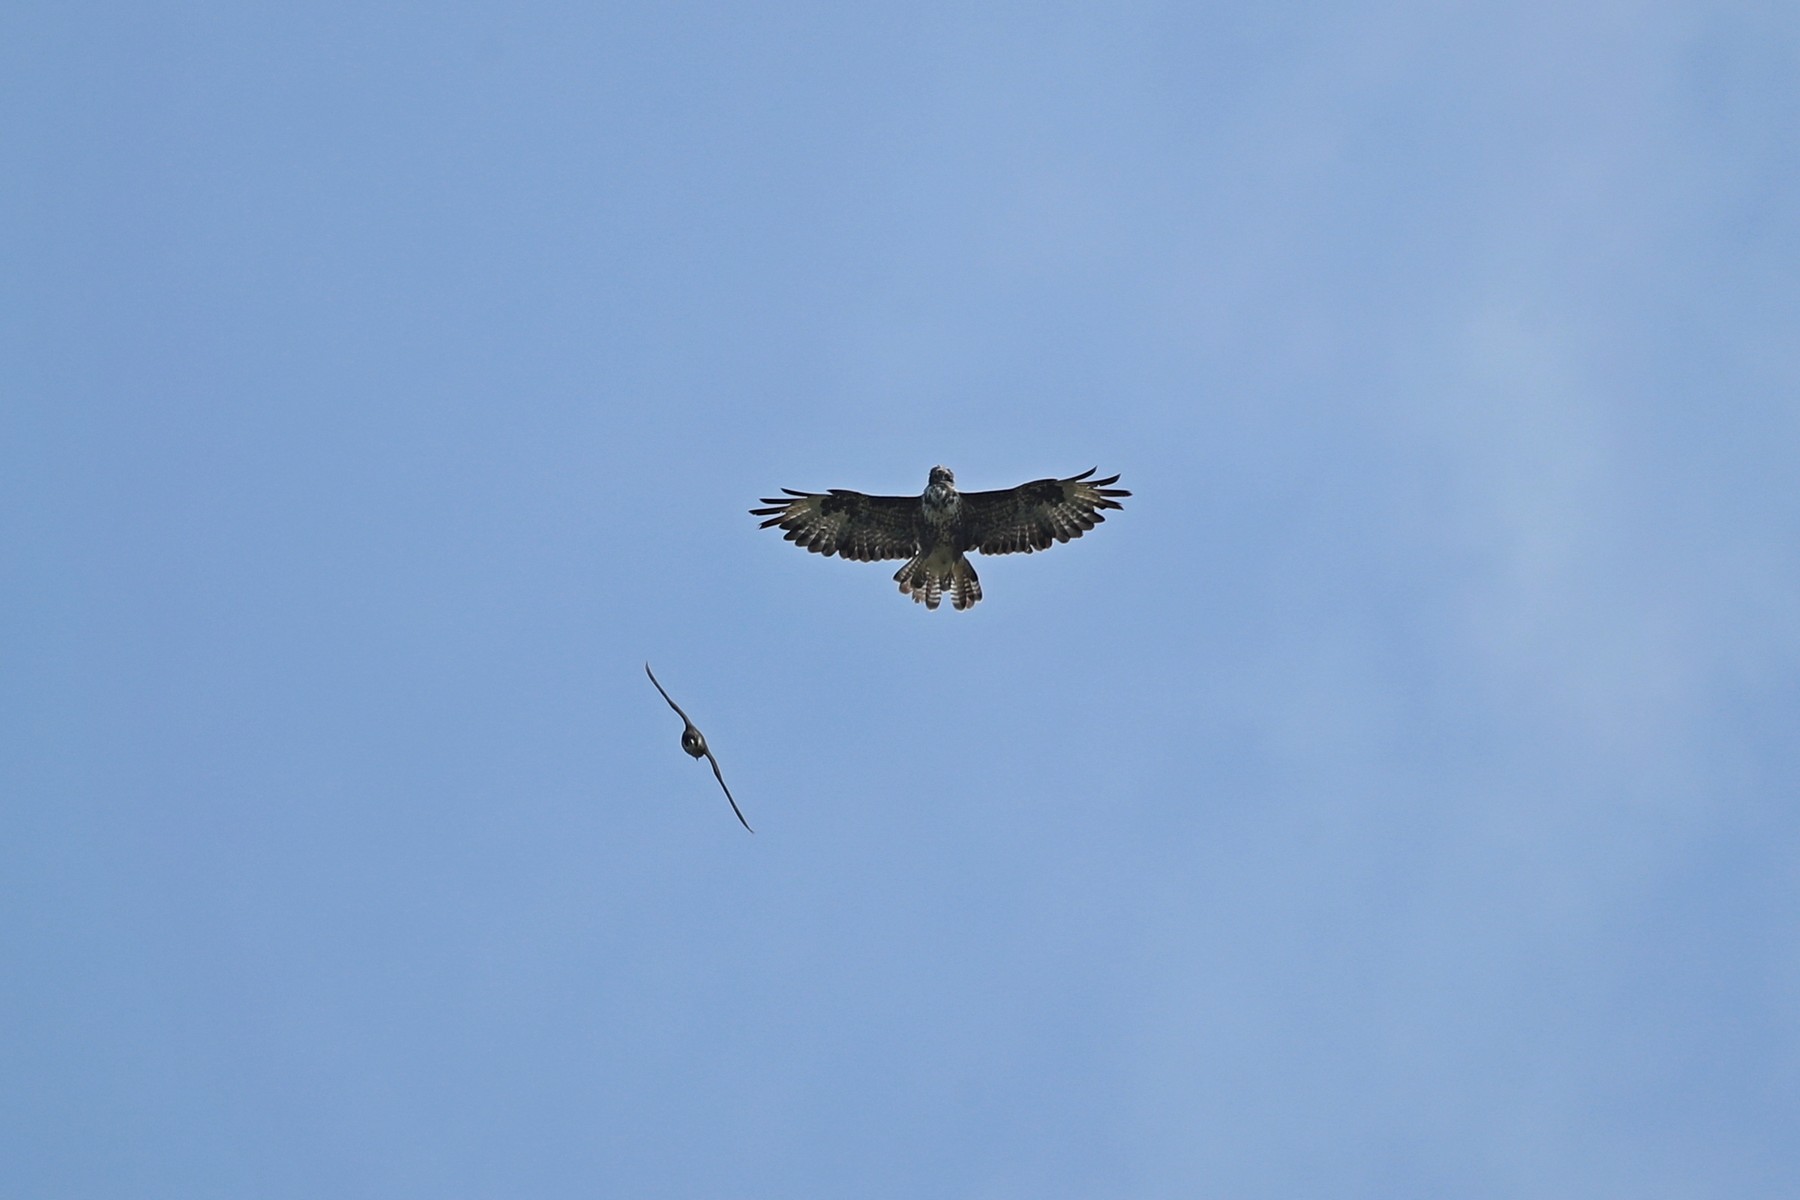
(941, 475)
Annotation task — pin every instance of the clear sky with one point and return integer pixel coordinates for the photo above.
(1400, 798)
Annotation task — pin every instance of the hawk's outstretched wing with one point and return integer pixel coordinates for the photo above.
(1032, 515)
(848, 524)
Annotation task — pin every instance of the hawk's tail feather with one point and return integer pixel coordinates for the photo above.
(920, 582)
(926, 586)
(965, 586)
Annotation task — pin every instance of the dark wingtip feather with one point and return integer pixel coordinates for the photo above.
(1103, 496)
(787, 499)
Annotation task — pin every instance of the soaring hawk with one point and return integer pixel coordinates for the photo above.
(933, 531)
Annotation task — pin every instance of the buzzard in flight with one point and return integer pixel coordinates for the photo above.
(932, 532)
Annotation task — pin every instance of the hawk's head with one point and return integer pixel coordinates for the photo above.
(941, 475)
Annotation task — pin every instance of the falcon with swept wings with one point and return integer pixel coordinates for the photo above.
(935, 530)
(694, 742)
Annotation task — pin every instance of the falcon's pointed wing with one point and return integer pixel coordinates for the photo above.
(665, 696)
(848, 524)
(728, 795)
(1032, 515)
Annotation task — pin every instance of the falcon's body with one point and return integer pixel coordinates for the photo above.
(935, 531)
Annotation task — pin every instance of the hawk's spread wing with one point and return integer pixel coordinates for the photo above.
(848, 524)
(1030, 516)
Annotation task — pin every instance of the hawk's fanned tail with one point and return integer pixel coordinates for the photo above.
(926, 579)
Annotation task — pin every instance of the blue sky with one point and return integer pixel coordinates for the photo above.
(1397, 799)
